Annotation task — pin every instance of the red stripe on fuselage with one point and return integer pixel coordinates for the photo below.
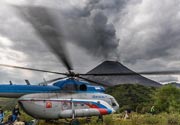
(101, 110)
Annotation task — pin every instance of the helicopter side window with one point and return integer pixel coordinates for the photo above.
(69, 87)
(75, 104)
(82, 104)
(83, 87)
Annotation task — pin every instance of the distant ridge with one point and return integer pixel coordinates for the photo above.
(117, 67)
(174, 84)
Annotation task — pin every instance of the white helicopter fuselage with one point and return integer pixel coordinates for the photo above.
(68, 105)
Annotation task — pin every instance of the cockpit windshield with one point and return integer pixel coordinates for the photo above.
(113, 102)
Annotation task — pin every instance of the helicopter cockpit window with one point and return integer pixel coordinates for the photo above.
(69, 87)
(113, 102)
(83, 87)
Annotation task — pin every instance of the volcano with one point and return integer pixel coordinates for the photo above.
(117, 67)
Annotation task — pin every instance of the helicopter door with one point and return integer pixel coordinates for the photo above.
(66, 109)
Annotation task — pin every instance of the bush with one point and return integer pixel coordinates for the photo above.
(173, 119)
(108, 120)
(135, 119)
(150, 119)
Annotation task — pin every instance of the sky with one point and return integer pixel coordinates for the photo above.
(141, 34)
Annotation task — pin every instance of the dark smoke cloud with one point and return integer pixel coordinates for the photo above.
(90, 28)
(92, 33)
(87, 27)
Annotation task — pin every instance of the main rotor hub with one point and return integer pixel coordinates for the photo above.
(72, 74)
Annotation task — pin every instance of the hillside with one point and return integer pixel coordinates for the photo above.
(117, 67)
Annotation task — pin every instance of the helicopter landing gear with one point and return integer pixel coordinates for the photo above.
(74, 122)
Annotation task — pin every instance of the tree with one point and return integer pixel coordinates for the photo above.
(167, 98)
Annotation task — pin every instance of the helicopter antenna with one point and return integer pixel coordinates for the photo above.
(27, 82)
(45, 82)
(10, 82)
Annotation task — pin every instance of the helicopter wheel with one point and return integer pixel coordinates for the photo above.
(74, 122)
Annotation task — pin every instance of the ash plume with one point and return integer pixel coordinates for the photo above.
(86, 27)
(90, 28)
(93, 33)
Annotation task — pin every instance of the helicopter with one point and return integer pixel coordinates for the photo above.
(71, 96)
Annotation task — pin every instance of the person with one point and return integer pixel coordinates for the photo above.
(15, 112)
(88, 120)
(126, 116)
(100, 117)
(127, 113)
(1, 116)
(9, 120)
(152, 110)
(18, 122)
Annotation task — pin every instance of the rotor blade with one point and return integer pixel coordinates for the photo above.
(47, 28)
(25, 68)
(173, 72)
(52, 80)
(98, 83)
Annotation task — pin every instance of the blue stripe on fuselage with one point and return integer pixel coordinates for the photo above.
(27, 89)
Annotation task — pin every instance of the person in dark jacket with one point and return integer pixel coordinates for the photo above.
(15, 112)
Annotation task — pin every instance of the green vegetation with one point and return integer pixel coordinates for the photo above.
(167, 99)
(7, 103)
(140, 98)
(135, 97)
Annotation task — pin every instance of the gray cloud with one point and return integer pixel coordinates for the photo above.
(150, 30)
(165, 79)
(90, 27)
(92, 33)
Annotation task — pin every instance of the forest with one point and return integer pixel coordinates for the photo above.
(140, 98)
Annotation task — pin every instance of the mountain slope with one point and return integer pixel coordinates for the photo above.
(116, 67)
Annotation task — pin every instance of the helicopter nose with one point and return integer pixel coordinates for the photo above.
(26, 106)
(32, 109)
(21, 105)
(29, 106)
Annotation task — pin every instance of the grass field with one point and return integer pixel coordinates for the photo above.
(117, 119)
